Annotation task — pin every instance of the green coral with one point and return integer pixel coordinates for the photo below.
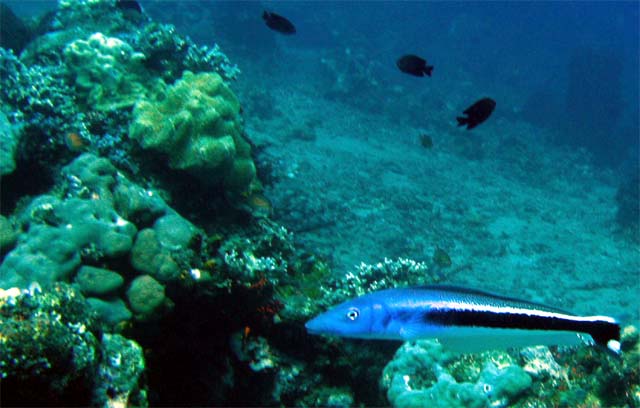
(8, 235)
(196, 124)
(98, 281)
(148, 256)
(110, 312)
(60, 233)
(423, 374)
(108, 74)
(9, 136)
(146, 297)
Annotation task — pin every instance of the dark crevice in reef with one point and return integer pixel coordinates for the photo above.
(29, 179)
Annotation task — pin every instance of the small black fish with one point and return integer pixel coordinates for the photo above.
(426, 141)
(129, 5)
(414, 65)
(278, 23)
(477, 113)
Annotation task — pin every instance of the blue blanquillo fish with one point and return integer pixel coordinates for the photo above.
(464, 320)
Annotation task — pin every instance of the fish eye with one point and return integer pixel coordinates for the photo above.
(353, 313)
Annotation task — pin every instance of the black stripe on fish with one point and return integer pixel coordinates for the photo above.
(602, 331)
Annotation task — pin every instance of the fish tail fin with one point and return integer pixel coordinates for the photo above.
(428, 69)
(265, 14)
(461, 120)
(605, 333)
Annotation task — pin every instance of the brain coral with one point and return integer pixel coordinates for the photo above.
(196, 123)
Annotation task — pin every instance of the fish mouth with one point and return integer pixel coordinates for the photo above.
(314, 326)
(311, 328)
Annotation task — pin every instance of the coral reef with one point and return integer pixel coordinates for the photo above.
(140, 264)
(169, 54)
(119, 377)
(60, 233)
(92, 51)
(165, 51)
(196, 125)
(53, 353)
(43, 105)
(8, 235)
(245, 260)
(424, 373)
(9, 138)
(387, 274)
(65, 236)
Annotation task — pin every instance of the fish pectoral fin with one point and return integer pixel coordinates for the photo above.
(414, 329)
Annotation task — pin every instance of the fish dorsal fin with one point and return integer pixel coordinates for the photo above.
(461, 290)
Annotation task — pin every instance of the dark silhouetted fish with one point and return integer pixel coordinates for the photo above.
(477, 113)
(278, 23)
(426, 141)
(129, 5)
(414, 65)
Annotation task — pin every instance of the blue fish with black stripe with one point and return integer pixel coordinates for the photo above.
(465, 320)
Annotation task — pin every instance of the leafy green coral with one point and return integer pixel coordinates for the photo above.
(196, 124)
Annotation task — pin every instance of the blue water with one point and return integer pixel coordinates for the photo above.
(519, 51)
(540, 202)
